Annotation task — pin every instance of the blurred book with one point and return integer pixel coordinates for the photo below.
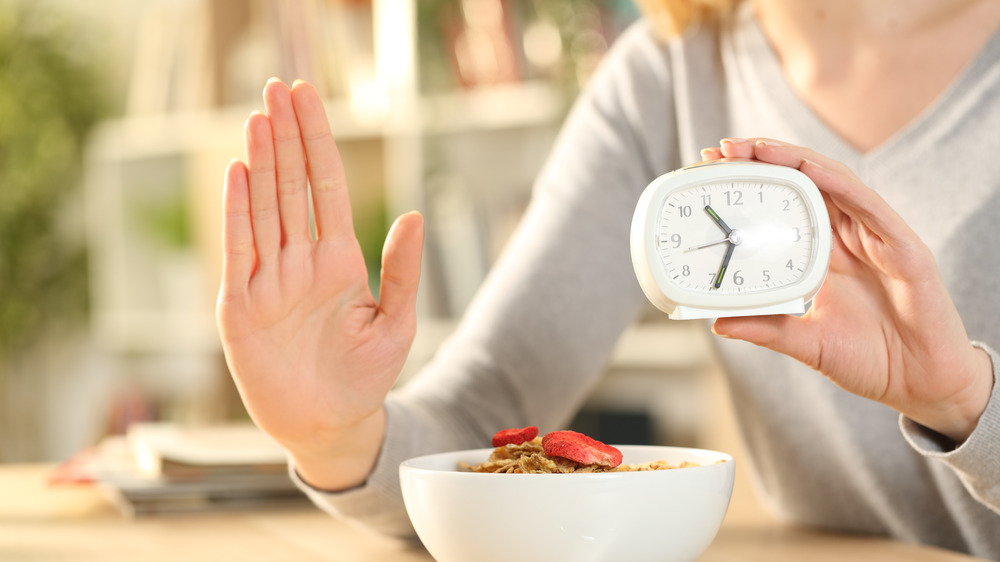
(193, 453)
(164, 468)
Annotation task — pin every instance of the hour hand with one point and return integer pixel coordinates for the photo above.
(718, 220)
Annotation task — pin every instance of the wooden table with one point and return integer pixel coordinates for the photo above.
(39, 522)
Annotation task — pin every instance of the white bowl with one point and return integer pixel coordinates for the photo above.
(662, 515)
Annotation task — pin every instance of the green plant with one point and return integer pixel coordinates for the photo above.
(50, 97)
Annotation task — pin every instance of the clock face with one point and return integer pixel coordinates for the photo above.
(736, 236)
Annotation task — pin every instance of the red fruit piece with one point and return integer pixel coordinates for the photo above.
(514, 436)
(580, 448)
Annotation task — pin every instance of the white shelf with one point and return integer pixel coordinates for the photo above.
(496, 107)
(191, 148)
(143, 136)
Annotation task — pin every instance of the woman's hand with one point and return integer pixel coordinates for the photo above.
(312, 352)
(883, 326)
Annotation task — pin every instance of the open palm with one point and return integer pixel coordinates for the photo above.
(312, 352)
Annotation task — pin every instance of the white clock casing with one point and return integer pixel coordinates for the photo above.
(769, 196)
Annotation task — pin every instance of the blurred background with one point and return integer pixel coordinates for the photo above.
(118, 117)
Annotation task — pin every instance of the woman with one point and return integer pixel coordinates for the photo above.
(899, 436)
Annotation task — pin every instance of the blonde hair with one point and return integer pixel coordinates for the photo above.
(672, 17)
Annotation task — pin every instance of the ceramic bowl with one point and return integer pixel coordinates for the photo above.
(663, 515)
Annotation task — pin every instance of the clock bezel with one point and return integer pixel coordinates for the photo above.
(682, 303)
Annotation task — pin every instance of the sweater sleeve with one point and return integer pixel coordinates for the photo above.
(975, 460)
(541, 328)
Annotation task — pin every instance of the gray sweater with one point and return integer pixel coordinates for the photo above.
(544, 324)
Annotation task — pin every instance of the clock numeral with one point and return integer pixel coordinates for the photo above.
(789, 265)
(686, 270)
(767, 275)
(684, 210)
(734, 197)
(676, 239)
(706, 200)
(788, 205)
(796, 234)
(737, 277)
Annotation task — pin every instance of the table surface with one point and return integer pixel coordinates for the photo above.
(39, 521)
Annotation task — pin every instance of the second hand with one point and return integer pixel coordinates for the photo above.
(735, 237)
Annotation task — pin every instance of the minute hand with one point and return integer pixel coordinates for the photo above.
(725, 265)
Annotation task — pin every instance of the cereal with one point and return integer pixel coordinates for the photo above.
(530, 457)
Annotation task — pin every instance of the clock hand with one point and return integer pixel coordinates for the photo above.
(707, 244)
(732, 236)
(735, 237)
(718, 220)
(725, 265)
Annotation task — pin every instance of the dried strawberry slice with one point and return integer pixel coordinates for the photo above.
(580, 448)
(514, 436)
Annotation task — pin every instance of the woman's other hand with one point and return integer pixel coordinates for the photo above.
(883, 325)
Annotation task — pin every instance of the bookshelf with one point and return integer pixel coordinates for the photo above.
(409, 118)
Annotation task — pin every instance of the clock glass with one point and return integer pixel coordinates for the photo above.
(736, 236)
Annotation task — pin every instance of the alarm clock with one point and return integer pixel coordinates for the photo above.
(731, 238)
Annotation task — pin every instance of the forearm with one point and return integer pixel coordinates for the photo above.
(973, 459)
(958, 416)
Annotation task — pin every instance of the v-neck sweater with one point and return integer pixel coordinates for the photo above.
(536, 338)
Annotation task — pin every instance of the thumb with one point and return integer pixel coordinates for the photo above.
(401, 265)
(789, 335)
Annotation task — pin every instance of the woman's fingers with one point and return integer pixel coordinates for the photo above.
(856, 211)
(287, 150)
(267, 203)
(263, 191)
(710, 153)
(293, 203)
(237, 230)
(735, 148)
(331, 200)
(401, 266)
(867, 224)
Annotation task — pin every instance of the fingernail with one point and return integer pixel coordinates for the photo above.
(297, 82)
(724, 336)
(763, 143)
(811, 163)
(732, 140)
(273, 79)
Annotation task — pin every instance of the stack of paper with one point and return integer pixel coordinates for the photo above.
(166, 468)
